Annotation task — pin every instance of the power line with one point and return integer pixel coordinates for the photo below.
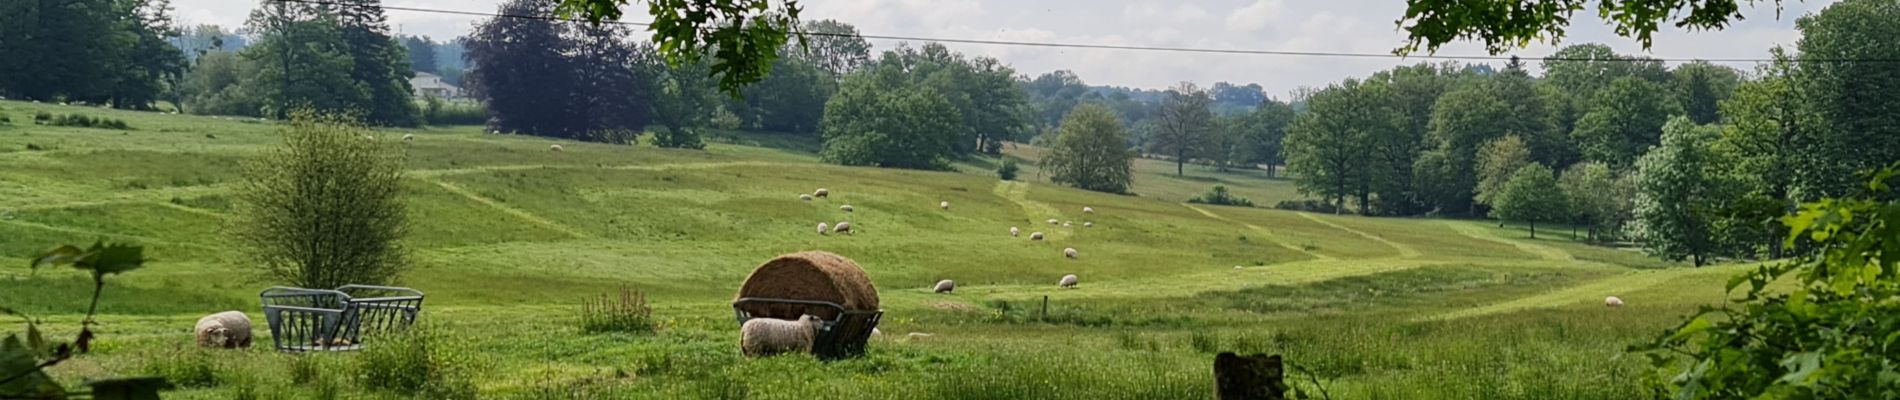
(1121, 47)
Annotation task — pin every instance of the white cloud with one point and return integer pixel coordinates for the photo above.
(1255, 17)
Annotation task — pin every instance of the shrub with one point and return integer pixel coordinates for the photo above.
(1220, 197)
(5, 120)
(612, 136)
(416, 361)
(1008, 170)
(436, 111)
(185, 367)
(42, 117)
(325, 208)
(625, 312)
(1308, 205)
(80, 121)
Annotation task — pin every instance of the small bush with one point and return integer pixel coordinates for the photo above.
(34, 147)
(612, 136)
(5, 120)
(42, 117)
(436, 111)
(1319, 206)
(324, 174)
(189, 367)
(1220, 197)
(415, 361)
(626, 311)
(1008, 170)
(80, 121)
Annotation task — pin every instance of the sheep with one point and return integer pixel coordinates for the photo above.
(1088, 210)
(555, 148)
(1068, 281)
(805, 197)
(1035, 236)
(229, 329)
(943, 205)
(1065, 224)
(1013, 232)
(369, 138)
(822, 228)
(821, 192)
(919, 335)
(408, 138)
(1069, 252)
(946, 286)
(842, 227)
(1053, 221)
(846, 208)
(875, 332)
(1088, 224)
(760, 337)
(1612, 301)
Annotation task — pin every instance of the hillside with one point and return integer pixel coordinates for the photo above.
(509, 237)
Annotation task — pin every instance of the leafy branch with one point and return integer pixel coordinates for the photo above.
(23, 363)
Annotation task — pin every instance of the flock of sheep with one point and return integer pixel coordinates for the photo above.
(946, 286)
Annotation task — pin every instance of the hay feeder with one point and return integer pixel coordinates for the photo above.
(822, 284)
(347, 318)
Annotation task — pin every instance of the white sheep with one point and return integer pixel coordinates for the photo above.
(842, 227)
(946, 286)
(229, 329)
(1069, 252)
(1035, 236)
(1088, 210)
(846, 208)
(1065, 224)
(1013, 232)
(1088, 224)
(821, 192)
(408, 138)
(1053, 221)
(1612, 301)
(875, 332)
(943, 205)
(368, 137)
(919, 335)
(1068, 281)
(822, 228)
(805, 197)
(555, 148)
(760, 337)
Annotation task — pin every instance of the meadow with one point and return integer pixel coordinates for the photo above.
(509, 238)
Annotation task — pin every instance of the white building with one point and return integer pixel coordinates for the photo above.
(427, 84)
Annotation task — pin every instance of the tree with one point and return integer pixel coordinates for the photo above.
(1091, 151)
(1054, 93)
(216, 86)
(1597, 197)
(1264, 133)
(1531, 196)
(380, 65)
(1856, 107)
(1498, 163)
(1330, 142)
(1575, 76)
(834, 47)
(683, 103)
(325, 208)
(113, 52)
(1183, 125)
(791, 99)
(614, 90)
(878, 120)
(1677, 194)
(421, 53)
(523, 72)
(1507, 25)
(741, 36)
(1761, 121)
(1625, 121)
(303, 63)
(1701, 87)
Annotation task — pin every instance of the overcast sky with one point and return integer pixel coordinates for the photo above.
(1359, 26)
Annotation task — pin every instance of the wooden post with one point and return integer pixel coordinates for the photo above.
(1253, 377)
(1045, 309)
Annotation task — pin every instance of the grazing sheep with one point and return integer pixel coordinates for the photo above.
(1612, 301)
(368, 137)
(875, 332)
(919, 335)
(846, 208)
(821, 192)
(842, 227)
(1013, 232)
(760, 337)
(943, 205)
(1088, 210)
(1069, 252)
(229, 329)
(1068, 281)
(1237, 267)
(1088, 224)
(1035, 236)
(408, 138)
(822, 228)
(805, 197)
(555, 148)
(946, 286)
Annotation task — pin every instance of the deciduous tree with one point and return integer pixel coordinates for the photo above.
(1091, 151)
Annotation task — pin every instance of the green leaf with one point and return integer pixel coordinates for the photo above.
(135, 388)
(1799, 366)
(18, 360)
(1690, 329)
(116, 258)
(62, 255)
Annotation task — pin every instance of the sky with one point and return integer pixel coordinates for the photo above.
(1355, 26)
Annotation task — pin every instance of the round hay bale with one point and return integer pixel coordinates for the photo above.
(810, 275)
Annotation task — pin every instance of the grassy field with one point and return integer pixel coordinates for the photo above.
(509, 238)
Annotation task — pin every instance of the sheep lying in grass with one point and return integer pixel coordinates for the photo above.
(1088, 224)
(846, 208)
(1053, 221)
(1612, 301)
(842, 227)
(822, 228)
(1065, 224)
(1088, 210)
(1068, 281)
(1035, 236)
(555, 148)
(1069, 252)
(408, 138)
(229, 329)
(946, 286)
(1013, 232)
(805, 197)
(943, 205)
(760, 337)
(821, 192)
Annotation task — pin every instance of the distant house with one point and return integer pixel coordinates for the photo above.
(427, 84)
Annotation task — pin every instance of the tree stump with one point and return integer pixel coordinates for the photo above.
(1251, 377)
